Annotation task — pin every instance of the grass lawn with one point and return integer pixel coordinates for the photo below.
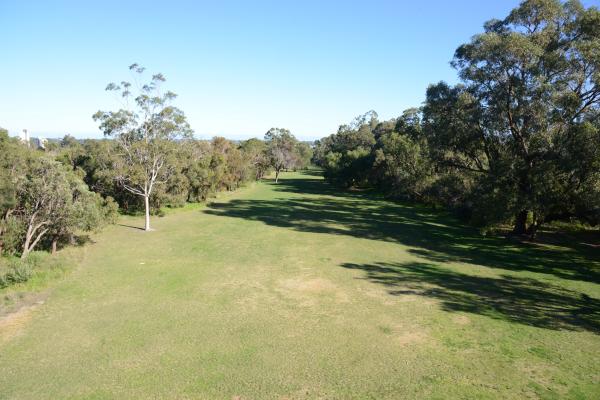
(297, 291)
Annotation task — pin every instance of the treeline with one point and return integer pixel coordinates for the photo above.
(198, 169)
(42, 202)
(516, 142)
(49, 197)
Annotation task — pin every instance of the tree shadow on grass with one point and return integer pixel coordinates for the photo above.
(309, 204)
(521, 300)
(139, 228)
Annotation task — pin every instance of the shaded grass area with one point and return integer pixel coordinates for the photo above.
(431, 235)
(440, 238)
(523, 300)
(298, 291)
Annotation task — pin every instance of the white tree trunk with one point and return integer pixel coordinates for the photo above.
(147, 207)
(28, 246)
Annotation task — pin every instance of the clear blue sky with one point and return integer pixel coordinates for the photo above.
(239, 67)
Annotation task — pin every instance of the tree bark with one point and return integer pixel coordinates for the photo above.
(533, 228)
(54, 243)
(147, 207)
(27, 247)
(520, 227)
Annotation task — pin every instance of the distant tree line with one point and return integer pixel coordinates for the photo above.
(197, 169)
(516, 142)
(48, 198)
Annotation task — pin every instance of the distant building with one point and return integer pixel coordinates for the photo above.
(36, 142)
(24, 136)
(39, 143)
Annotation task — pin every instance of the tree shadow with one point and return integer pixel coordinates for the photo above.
(310, 172)
(82, 240)
(309, 204)
(520, 300)
(131, 227)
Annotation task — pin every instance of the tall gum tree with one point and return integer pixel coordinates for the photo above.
(280, 149)
(531, 83)
(145, 128)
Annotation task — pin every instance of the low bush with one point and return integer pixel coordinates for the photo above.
(14, 270)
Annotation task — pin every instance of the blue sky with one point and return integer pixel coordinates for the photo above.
(239, 67)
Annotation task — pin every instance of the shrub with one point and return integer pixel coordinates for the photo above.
(18, 270)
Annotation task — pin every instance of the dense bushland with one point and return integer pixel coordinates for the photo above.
(43, 203)
(198, 169)
(50, 197)
(516, 142)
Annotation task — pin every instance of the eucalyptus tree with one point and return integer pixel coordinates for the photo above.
(80, 210)
(256, 153)
(530, 87)
(145, 128)
(42, 196)
(280, 145)
(346, 155)
(53, 200)
(70, 151)
(197, 155)
(12, 164)
(304, 155)
(401, 162)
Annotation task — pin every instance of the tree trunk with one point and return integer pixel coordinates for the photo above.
(276, 175)
(147, 207)
(520, 227)
(532, 231)
(26, 247)
(533, 228)
(29, 246)
(54, 243)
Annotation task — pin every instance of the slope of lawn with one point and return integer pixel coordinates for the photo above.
(297, 291)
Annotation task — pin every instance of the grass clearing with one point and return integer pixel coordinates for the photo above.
(294, 290)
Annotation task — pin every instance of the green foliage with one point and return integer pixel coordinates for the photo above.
(256, 153)
(197, 170)
(403, 165)
(531, 90)
(517, 138)
(15, 270)
(346, 156)
(281, 150)
(304, 155)
(18, 271)
(54, 202)
(44, 202)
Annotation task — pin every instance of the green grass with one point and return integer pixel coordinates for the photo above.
(297, 291)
